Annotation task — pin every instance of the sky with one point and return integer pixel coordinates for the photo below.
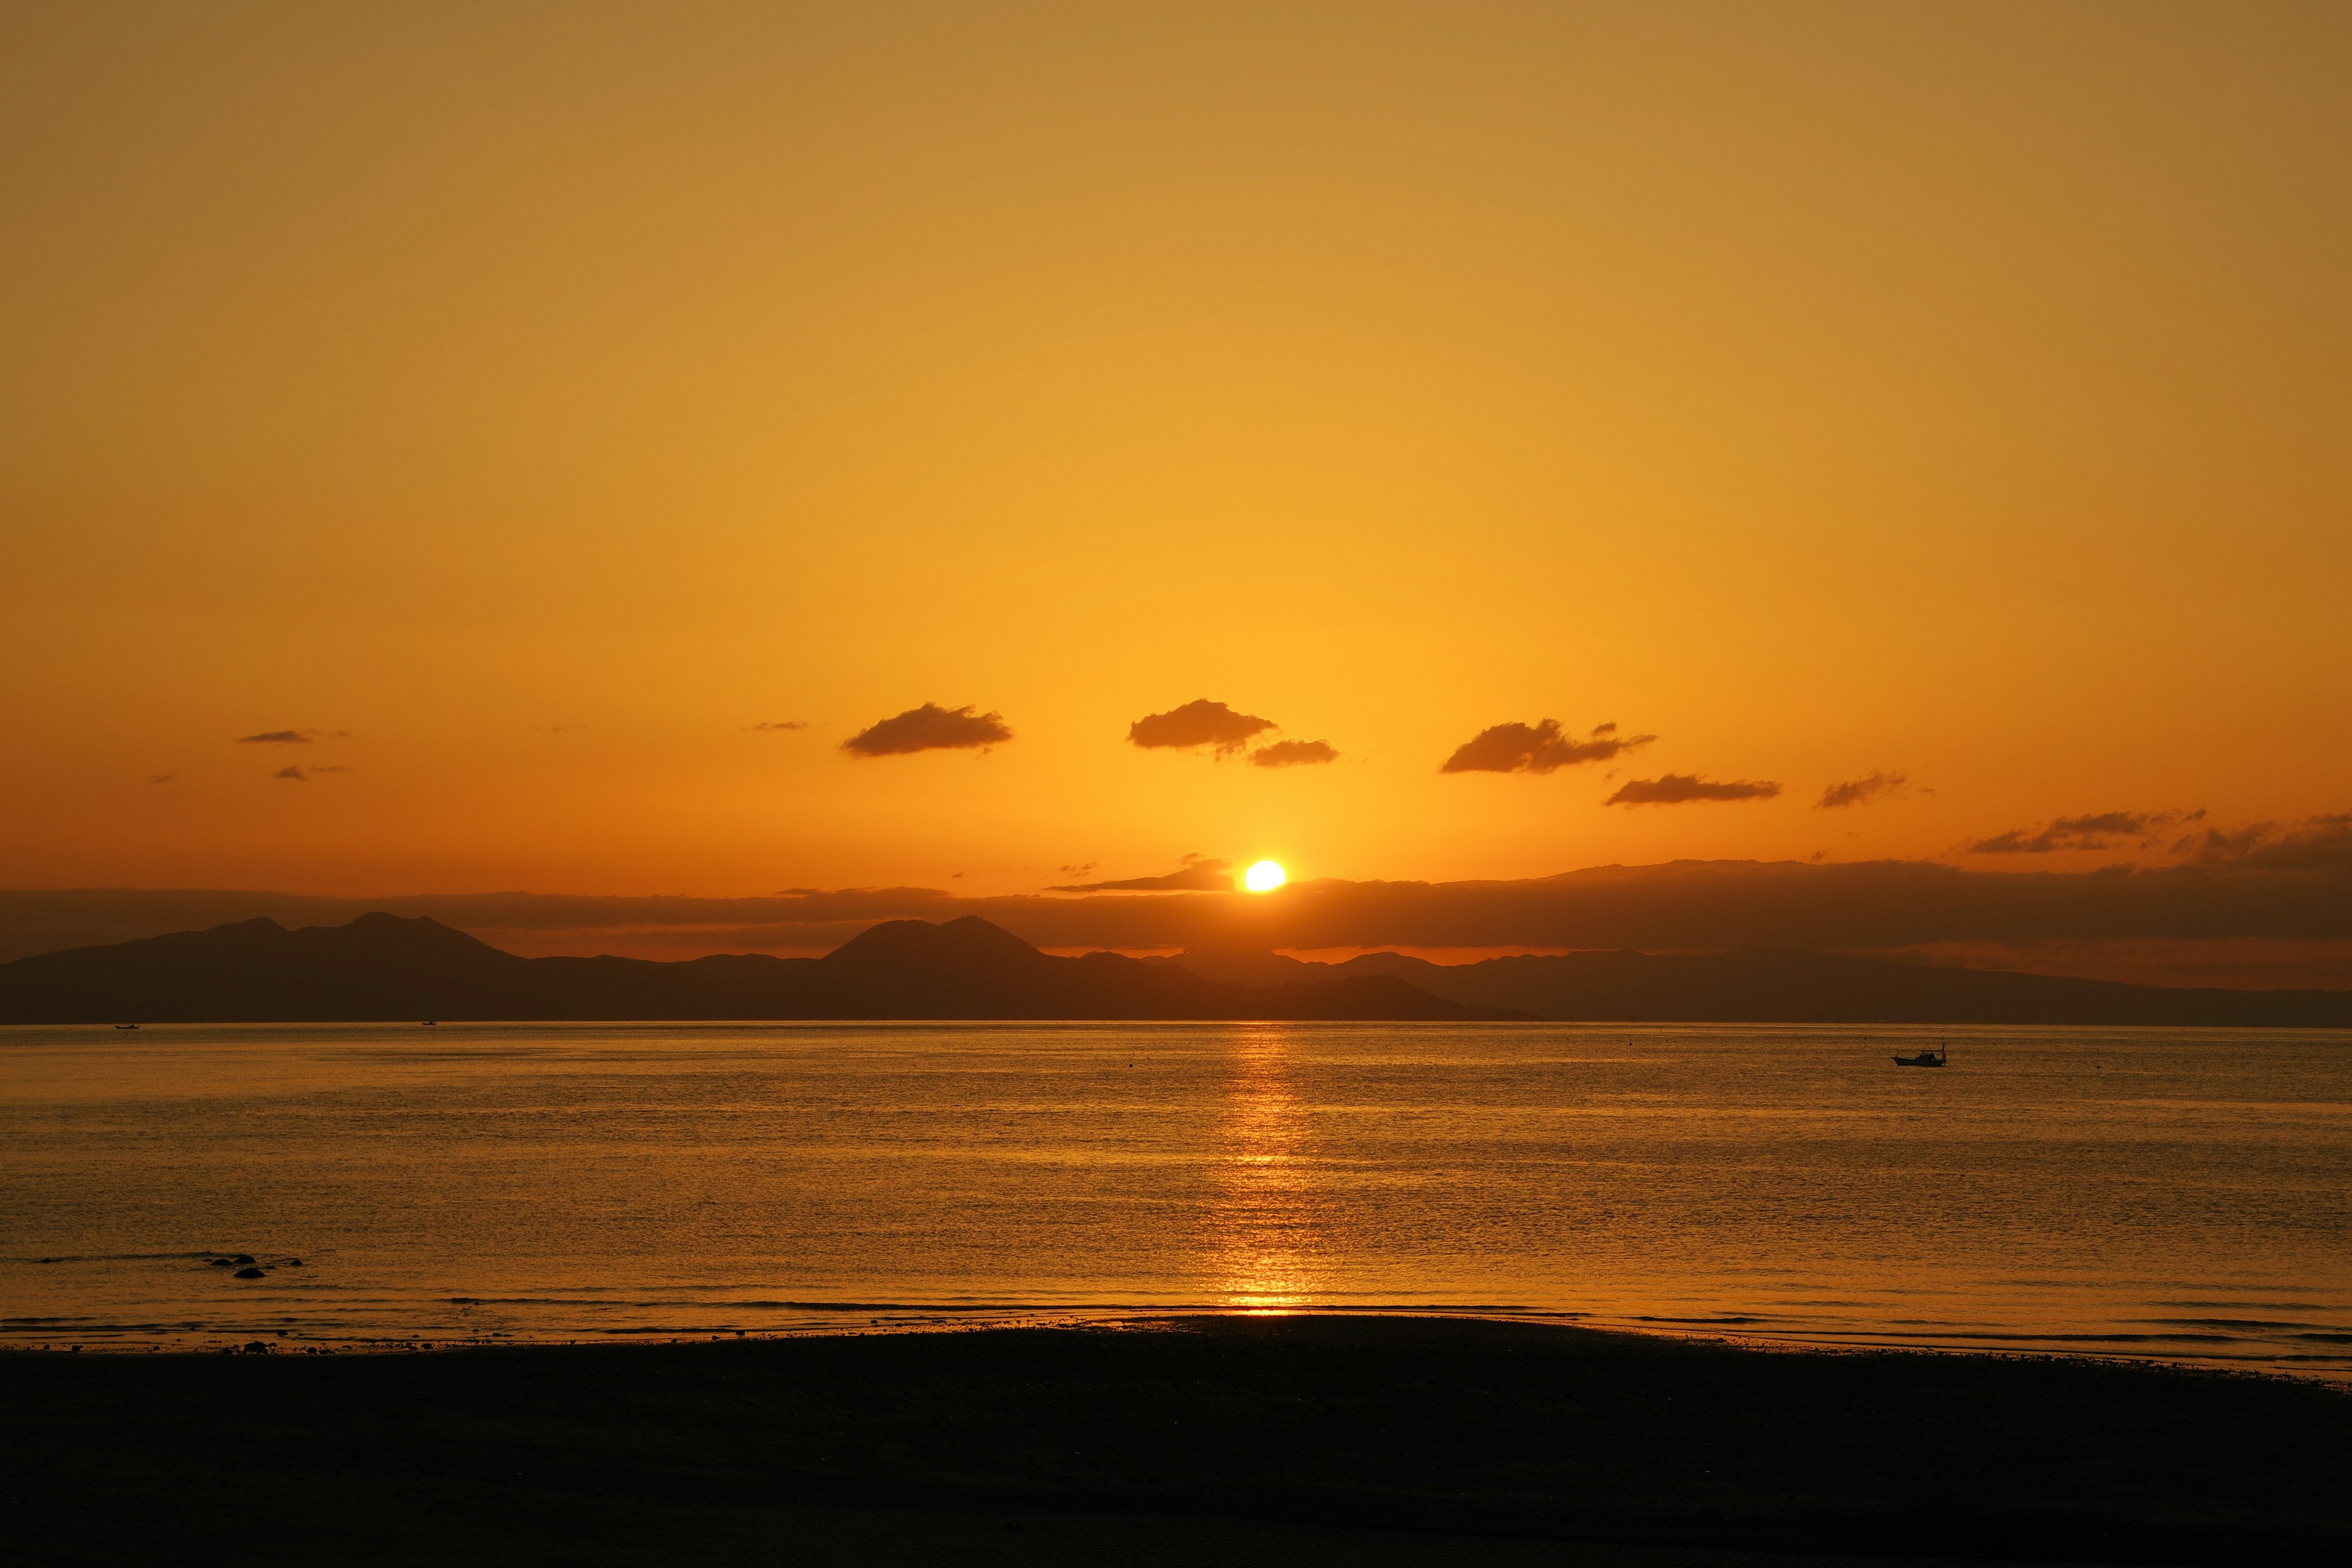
(571, 428)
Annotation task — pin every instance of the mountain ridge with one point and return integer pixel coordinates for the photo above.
(381, 967)
(1794, 985)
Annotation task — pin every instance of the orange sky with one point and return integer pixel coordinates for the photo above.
(545, 395)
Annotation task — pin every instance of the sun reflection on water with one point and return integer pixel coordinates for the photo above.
(1264, 1221)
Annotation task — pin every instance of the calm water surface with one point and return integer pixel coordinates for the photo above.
(2177, 1194)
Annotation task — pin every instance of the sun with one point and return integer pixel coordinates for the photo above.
(1263, 878)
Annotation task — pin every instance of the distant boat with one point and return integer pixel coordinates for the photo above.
(1937, 1057)
(126, 1026)
(431, 1024)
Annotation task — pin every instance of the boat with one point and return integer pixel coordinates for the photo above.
(1937, 1057)
(126, 1026)
(430, 1024)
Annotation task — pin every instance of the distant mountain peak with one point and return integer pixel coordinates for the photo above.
(962, 941)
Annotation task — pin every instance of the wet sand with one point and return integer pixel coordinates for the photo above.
(1297, 1439)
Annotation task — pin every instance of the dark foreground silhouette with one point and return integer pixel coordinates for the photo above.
(387, 968)
(383, 968)
(1299, 1440)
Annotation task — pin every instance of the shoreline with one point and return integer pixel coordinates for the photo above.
(927, 1319)
(1475, 1433)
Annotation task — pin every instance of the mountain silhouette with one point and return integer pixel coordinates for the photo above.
(1785, 986)
(383, 967)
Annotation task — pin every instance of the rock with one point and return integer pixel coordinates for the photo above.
(257, 1347)
(220, 1263)
(242, 1258)
(293, 1263)
(249, 1274)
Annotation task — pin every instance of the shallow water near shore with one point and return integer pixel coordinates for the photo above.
(2183, 1194)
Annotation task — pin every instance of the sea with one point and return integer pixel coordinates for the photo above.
(2176, 1194)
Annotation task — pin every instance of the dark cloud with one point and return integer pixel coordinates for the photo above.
(783, 724)
(279, 738)
(929, 728)
(296, 775)
(1536, 749)
(1675, 789)
(2280, 884)
(2093, 830)
(1199, 874)
(1861, 792)
(1294, 754)
(2315, 843)
(164, 778)
(1078, 870)
(1199, 723)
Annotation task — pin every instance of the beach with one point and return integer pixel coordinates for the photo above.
(1278, 1438)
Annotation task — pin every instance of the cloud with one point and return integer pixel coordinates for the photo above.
(929, 728)
(279, 738)
(784, 724)
(1536, 749)
(2093, 830)
(296, 775)
(1199, 723)
(1861, 792)
(1078, 871)
(1294, 754)
(1675, 789)
(1200, 873)
(331, 769)
(2291, 883)
(2315, 843)
(164, 778)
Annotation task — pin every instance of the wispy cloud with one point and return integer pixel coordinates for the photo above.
(1537, 748)
(2093, 830)
(2312, 844)
(1199, 723)
(1199, 874)
(783, 724)
(1294, 754)
(279, 738)
(1678, 789)
(929, 728)
(1861, 792)
(295, 774)
(164, 778)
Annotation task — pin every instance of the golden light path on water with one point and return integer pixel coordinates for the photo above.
(1266, 1207)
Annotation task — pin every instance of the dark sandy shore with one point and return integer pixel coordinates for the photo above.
(1296, 1440)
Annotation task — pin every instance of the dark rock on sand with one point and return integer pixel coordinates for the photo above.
(249, 1274)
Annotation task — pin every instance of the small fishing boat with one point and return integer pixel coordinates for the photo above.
(1935, 1059)
(126, 1026)
(430, 1024)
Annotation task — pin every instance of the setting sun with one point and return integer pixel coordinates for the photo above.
(1263, 878)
